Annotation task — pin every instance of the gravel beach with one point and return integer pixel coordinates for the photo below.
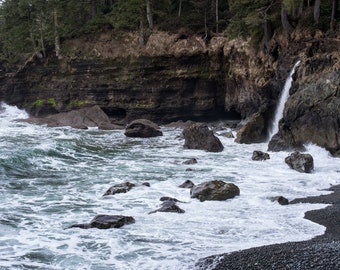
(321, 252)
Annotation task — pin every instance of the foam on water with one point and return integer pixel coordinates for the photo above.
(54, 177)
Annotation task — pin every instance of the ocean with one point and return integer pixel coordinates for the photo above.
(51, 178)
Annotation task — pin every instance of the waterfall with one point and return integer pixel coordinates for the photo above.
(281, 103)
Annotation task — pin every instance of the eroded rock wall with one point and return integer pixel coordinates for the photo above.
(172, 77)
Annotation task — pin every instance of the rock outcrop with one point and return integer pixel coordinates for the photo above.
(199, 136)
(312, 112)
(215, 190)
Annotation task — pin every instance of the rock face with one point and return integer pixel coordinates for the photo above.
(105, 222)
(198, 136)
(170, 78)
(187, 78)
(313, 111)
(214, 191)
(142, 128)
(300, 162)
(283, 141)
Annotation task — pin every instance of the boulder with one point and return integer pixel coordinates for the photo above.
(215, 190)
(147, 184)
(142, 128)
(259, 155)
(280, 199)
(105, 222)
(168, 199)
(84, 117)
(80, 119)
(199, 136)
(254, 131)
(119, 188)
(186, 184)
(300, 162)
(169, 206)
(190, 161)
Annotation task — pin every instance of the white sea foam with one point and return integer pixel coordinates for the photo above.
(55, 177)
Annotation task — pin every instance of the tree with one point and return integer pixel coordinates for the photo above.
(316, 12)
(149, 14)
(334, 13)
(285, 21)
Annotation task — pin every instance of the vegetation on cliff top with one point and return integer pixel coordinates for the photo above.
(40, 26)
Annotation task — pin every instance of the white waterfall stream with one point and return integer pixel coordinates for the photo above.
(281, 103)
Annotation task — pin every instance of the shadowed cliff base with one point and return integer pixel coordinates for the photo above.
(321, 252)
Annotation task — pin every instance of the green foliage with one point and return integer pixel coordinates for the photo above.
(127, 14)
(52, 102)
(38, 102)
(28, 26)
(249, 16)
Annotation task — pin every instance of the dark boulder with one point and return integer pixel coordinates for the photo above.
(119, 188)
(142, 128)
(186, 184)
(147, 184)
(105, 222)
(280, 199)
(168, 199)
(88, 117)
(254, 131)
(215, 190)
(169, 206)
(300, 162)
(259, 156)
(199, 136)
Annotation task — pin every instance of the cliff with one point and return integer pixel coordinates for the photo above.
(172, 77)
(180, 77)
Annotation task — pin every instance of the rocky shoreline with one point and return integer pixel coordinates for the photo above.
(321, 252)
